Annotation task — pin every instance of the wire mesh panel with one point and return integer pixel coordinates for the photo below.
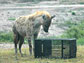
(66, 49)
(69, 48)
(73, 48)
(55, 48)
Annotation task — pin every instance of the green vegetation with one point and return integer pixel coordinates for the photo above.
(81, 2)
(6, 37)
(11, 18)
(80, 41)
(73, 13)
(76, 30)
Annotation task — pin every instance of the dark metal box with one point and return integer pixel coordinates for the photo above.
(55, 48)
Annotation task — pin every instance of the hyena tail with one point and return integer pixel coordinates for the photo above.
(17, 38)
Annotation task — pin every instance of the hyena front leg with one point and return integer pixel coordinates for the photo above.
(16, 39)
(30, 47)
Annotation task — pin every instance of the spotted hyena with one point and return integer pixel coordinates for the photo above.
(29, 26)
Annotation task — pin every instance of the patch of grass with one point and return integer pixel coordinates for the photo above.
(8, 56)
(80, 41)
(70, 24)
(11, 18)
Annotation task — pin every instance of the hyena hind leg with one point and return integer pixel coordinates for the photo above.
(20, 44)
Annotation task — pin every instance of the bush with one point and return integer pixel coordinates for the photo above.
(75, 31)
(73, 13)
(6, 37)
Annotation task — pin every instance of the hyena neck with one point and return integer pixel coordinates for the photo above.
(37, 24)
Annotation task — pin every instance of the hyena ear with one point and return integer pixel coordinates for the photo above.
(44, 16)
(52, 16)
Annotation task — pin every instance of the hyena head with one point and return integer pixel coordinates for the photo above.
(47, 22)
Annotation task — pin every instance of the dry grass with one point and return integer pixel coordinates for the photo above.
(8, 56)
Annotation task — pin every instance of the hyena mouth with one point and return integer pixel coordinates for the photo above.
(46, 29)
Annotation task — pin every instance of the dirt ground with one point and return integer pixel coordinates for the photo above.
(11, 46)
